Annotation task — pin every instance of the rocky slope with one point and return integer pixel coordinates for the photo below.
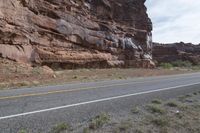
(76, 33)
(176, 51)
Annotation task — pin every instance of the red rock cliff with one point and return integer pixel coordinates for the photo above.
(176, 51)
(76, 33)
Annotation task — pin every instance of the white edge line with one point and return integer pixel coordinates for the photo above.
(94, 101)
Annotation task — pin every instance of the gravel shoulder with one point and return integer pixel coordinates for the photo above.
(180, 115)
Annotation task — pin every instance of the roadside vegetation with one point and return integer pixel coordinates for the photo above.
(180, 115)
(99, 121)
(179, 64)
(62, 127)
(15, 75)
(22, 131)
(166, 65)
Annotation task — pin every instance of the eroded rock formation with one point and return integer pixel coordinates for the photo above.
(177, 51)
(76, 33)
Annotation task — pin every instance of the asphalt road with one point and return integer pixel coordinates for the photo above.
(38, 109)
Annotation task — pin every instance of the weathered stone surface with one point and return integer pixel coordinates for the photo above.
(176, 51)
(76, 33)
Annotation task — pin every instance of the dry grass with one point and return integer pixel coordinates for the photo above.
(161, 121)
(99, 121)
(22, 131)
(172, 103)
(156, 109)
(16, 72)
(61, 127)
(135, 110)
(156, 101)
(124, 126)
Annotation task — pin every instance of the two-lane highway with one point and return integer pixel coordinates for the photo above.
(38, 109)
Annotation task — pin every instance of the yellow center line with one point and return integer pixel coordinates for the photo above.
(72, 90)
(60, 91)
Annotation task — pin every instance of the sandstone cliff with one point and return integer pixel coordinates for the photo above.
(76, 33)
(177, 51)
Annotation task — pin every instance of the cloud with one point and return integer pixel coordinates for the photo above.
(175, 20)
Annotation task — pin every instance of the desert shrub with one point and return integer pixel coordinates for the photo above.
(166, 65)
(160, 121)
(135, 110)
(99, 121)
(155, 109)
(123, 127)
(61, 127)
(156, 101)
(172, 104)
(196, 67)
(22, 131)
(180, 63)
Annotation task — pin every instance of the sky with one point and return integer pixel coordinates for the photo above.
(175, 20)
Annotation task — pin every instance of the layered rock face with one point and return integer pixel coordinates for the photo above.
(177, 51)
(76, 33)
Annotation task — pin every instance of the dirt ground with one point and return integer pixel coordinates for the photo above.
(16, 75)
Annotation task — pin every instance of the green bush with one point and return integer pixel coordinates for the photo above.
(99, 121)
(166, 65)
(22, 131)
(196, 67)
(123, 127)
(156, 101)
(178, 63)
(155, 109)
(172, 104)
(135, 110)
(61, 127)
(181, 63)
(160, 121)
